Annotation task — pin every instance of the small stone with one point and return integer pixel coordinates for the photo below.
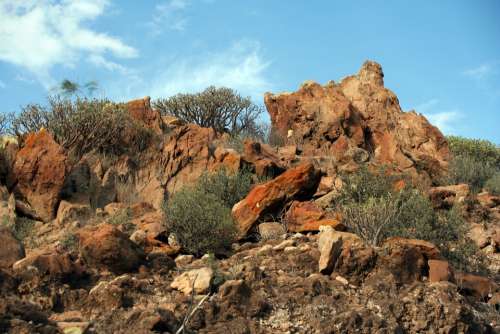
(183, 260)
(284, 244)
(199, 279)
(264, 249)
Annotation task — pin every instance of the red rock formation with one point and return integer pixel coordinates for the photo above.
(358, 120)
(297, 181)
(40, 169)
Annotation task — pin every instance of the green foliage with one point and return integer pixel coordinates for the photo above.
(70, 242)
(480, 150)
(229, 188)
(362, 185)
(85, 125)
(200, 220)
(23, 228)
(222, 109)
(473, 161)
(493, 184)
(375, 211)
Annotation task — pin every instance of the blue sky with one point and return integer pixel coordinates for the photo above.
(442, 58)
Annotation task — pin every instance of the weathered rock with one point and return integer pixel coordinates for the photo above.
(488, 200)
(440, 270)
(197, 279)
(446, 196)
(69, 212)
(358, 120)
(269, 231)
(406, 260)
(52, 263)
(330, 244)
(308, 217)
(265, 161)
(40, 169)
(11, 249)
(141, 110)
(476, 286)
(106, 246)
(263, 198)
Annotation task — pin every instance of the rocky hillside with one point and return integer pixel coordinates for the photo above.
(345, 226)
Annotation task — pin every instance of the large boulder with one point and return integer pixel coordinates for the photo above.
(358, 120)
(308, 217)
(104, 246)
(263, 198)
(11, 249)
(40, 169)
(52, 263)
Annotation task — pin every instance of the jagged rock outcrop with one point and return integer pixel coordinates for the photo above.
(355, 121)
(40, 169)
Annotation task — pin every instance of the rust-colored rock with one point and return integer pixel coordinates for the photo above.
(11, 249)
(446, 196)
(141, 110)
(106, 246)
(440, 270)
(40, 169)
(52, 263)
(479, 287)
(358, 120)
(264, 159)
(263, 198)
(308, 217)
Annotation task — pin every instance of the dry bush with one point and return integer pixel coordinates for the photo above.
(493, 184)
(84, 125)
(222, 109)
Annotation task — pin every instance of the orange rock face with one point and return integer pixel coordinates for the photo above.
(294, 182)
(40, 169)
(107, 247)
(141, 110)
(358, 120)
(440, 270)
(308, 217)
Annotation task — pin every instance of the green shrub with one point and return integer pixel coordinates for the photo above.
(200, 220)
(466, 169)
(84, 125)
(473, 161)
(362, 185)
(22, 228)
(372, 209)
(122, 219)
(480, 150)
(229, 188)
(493, 184)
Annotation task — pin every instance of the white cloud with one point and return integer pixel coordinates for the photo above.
(446, 121)
(481, 71)
(2, 84)
(109, 65)
(241, 67)
(169, 15)
(39, 34)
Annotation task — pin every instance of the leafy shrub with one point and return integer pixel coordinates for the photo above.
(493, 184)
(122, 219)
(229, 188)
(222, 109)
(374, 210)
(473, 161)
(23, 228)
(480, 150)
(200, 220)
(466, 169)
(84, 125)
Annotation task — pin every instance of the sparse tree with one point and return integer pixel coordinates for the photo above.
(222, 109)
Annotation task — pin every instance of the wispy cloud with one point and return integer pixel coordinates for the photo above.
(109, 65)
(169, 15)
(2, 84)
(241, 67)
(445, 120)
(39, 34)
(479, 72)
